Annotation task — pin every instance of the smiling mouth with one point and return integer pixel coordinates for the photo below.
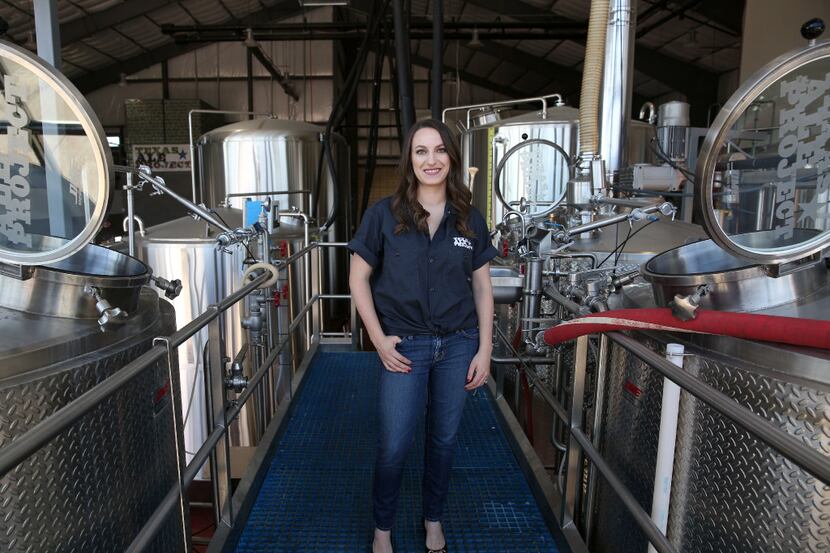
(432, 171)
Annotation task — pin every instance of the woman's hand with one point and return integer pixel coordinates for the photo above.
(479, 370)
(389, 356)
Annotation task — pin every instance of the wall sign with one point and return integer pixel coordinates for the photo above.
(162, 157)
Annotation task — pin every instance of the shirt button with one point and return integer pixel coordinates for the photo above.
(431, 259)
(432, 289)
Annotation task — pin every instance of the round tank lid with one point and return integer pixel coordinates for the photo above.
(763, 175)
(55, 165)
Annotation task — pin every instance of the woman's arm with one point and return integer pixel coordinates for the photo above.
(359, 274)
(483, 295)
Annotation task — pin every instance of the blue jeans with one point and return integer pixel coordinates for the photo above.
(437, 380)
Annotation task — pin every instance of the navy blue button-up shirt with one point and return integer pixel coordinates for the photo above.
(422, 285)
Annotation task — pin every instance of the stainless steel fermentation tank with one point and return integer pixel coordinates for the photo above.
(730, 491)
(94, 486)
(539, 173)
(252, 158)
(186, 249)
(71, 315)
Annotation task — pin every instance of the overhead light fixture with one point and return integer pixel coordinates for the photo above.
(475, 42)
(122, 81)
(320, 3)
(250, 41)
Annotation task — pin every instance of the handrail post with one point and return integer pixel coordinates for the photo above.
(596, 432)
(220, 460)
(573, 469)
(174, 415)
(315, 256)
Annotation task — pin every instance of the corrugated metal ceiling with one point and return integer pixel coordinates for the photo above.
(689, 37)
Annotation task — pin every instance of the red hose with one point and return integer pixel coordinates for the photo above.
(517, 343)
(810, 333)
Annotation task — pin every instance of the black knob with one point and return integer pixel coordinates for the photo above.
(812, 29)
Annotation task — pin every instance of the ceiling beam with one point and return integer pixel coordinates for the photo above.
(112, 73)
(87, 25)
(469, 78)
(696, 82)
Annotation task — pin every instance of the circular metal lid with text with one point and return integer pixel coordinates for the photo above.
(763, 175)
(55, 165)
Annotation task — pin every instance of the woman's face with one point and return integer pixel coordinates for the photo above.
(430, 159)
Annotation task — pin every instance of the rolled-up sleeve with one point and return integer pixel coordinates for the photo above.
(368, 240)
(483, 250)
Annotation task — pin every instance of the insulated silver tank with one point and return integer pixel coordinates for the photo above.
(538, 172)
(71, 315)
(730, 491)
(272, 155)
(186, 249)
(94, 486)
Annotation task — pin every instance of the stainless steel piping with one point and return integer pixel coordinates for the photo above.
(618, 77)
(159, 185)
(130, 215)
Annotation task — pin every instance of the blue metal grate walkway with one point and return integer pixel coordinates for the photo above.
(317, 493)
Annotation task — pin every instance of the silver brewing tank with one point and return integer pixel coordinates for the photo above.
(186, 249)
(274, 155)
(71, 315)
(730, 491)
(538, 172)
(93, 486)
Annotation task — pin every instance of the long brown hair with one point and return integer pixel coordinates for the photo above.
(405, 205)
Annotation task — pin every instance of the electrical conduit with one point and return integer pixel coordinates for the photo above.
(748, 326)
(661, 498)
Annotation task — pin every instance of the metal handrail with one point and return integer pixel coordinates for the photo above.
(44, 431)
(807, 458)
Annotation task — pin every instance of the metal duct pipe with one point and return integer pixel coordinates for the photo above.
(592, 79)
(616, 85)
(404, 66)
(437, 95)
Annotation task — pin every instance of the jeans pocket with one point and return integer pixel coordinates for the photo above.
(471, 333)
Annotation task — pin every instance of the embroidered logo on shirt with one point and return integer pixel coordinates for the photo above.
(462, 242)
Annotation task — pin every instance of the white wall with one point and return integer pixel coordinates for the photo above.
(773, 27)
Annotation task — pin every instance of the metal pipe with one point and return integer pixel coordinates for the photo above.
(192, 150)
(159, 185)
(588, 227)
(618, 77)
(640, 516)
(626, 202)
(403, 65)
(139, 221)
(437, 70)
(472, 107)
(130, 215)
(538, 384)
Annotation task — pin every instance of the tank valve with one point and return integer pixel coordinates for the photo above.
(234, 379)
(685, 307)
(108, 313)
(171, 288)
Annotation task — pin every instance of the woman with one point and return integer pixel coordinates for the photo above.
(420, 280)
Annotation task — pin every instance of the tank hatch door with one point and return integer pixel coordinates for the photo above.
(55, 165)
(763, 175)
